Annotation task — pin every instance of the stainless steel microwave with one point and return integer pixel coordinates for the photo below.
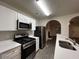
(23, 25)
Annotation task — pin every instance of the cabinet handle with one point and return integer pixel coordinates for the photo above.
(14, 51)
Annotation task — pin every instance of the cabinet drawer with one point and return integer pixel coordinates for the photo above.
(11, 53)
(15, 50)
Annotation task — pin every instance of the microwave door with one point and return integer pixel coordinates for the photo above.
(24, 26)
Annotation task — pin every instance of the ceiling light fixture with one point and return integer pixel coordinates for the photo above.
(43, 7)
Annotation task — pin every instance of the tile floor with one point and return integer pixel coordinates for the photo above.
(47, 52)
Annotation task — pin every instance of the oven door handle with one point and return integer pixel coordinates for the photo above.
(28, 45)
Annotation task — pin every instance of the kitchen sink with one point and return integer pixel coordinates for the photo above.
(67, 45)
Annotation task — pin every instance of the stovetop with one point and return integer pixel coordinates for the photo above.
(23, 40)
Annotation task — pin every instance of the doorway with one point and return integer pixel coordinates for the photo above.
(74, 29)
(53, 27)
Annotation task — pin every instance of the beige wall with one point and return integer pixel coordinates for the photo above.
(64, 20)
(5, 35)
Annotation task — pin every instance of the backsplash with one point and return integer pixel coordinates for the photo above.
(6, 35)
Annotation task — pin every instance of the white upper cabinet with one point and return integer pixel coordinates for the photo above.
(33, 21)
(8, 19)
(23, 18)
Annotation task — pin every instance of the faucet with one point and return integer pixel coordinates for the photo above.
(72, 40)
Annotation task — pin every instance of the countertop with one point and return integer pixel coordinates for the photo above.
(62, 53)
(7, 45)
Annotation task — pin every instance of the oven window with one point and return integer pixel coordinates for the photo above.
(26, 52)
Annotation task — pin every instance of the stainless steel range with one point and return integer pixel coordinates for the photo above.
(28, 46)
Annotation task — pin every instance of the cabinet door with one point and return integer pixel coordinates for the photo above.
(8, 19)
(0, 56)
(18, 56)
(12, 54)
(23, 18)
(37, 44)
(33, 21)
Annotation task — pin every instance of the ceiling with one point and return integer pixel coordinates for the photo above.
(56, 7)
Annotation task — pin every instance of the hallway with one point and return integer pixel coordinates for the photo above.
(47, 52)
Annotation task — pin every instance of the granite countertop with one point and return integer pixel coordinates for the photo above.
(7, 45)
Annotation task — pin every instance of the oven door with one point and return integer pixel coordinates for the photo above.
(29, 51)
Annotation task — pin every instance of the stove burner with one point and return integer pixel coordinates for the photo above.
(23, 40)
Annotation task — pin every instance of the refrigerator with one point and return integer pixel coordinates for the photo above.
(41, 33)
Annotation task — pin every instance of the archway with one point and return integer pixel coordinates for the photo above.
(74, 28)
(52, 28)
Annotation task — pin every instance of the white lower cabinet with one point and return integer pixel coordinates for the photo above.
(12, 54)
(37, 44)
